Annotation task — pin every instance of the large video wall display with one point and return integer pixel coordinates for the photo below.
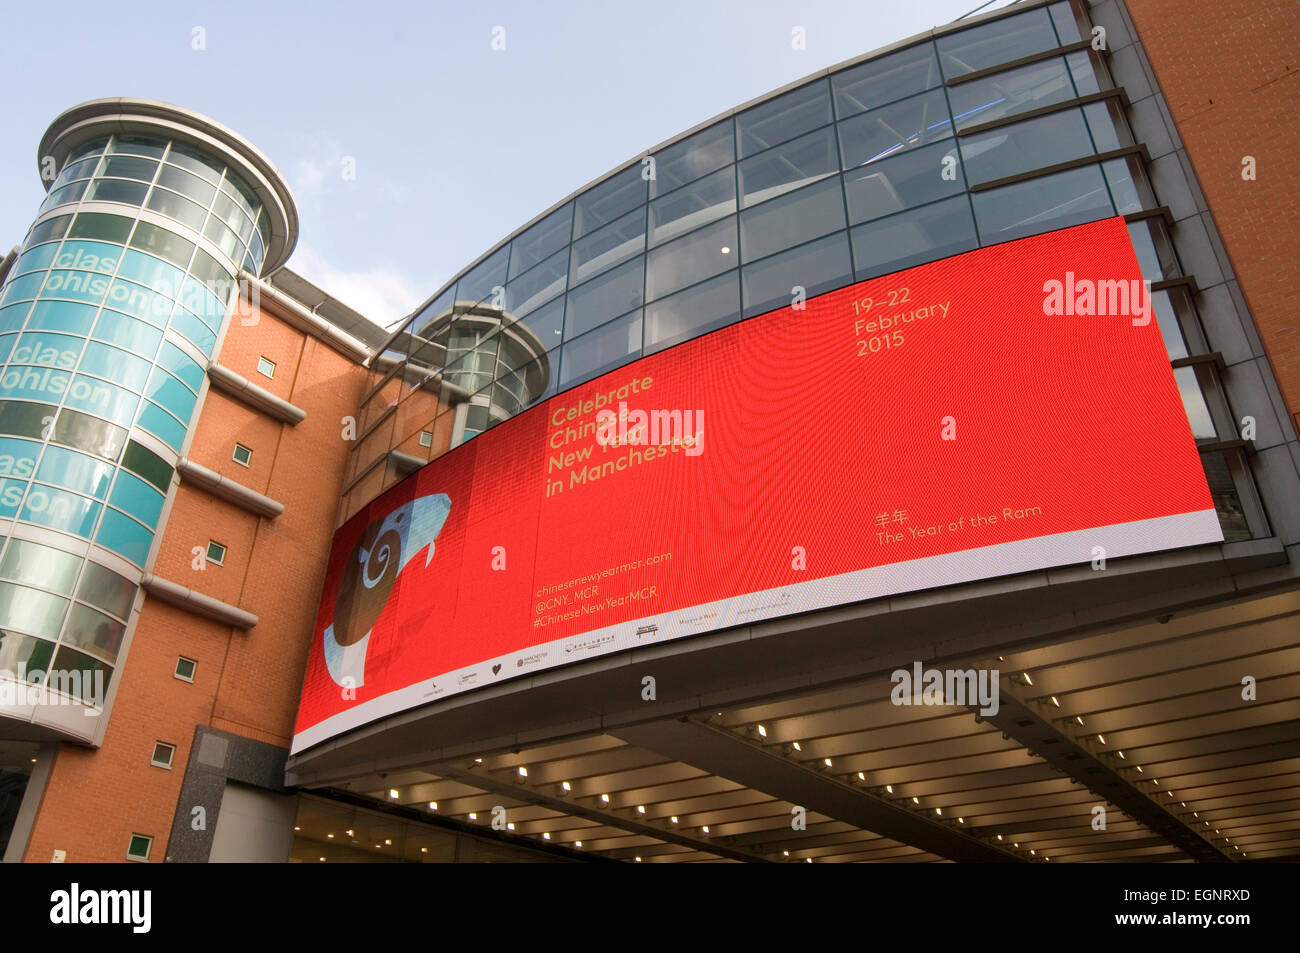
(1005, 410)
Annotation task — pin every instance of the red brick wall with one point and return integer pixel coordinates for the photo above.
(1231, 75)
(246, 683)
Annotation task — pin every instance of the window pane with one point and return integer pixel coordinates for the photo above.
(704, 201)
(162, 425)
(603, 203)
(53, 228)
(691, 313)
(31, 611)
(115, 365)
(699, 155)
(137, 498)
(539, 285)
(173, 206)
(89, 433)
(140, 169)
(490, 273)
(546, 323)
(876, 135)
(139, 145)
(788, 167)
(146, 463)
(1067, 27)
(1023, 146)
(1119, 176)
(97, 225)
(541, 241)
(998, 41)
(106, 589)
(911, 238)
(609, 246)
(118, 190)
(613, 293)
(785, 117)
(93, 631)
(792, 219)
(1041, 205)
(904, 182)
(58, 509)
(1012, 92)
(21, 651)
(67, 660)
(1081, 69)
(699, 255)
(195, 161)
(128, 332)
(1108, 127)
(164, 244)
(76, 471)
(124, 536)
(885, 79)
(815, 268)
(46, 567)
(602, 350)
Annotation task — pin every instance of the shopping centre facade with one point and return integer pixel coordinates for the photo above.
(640, 538)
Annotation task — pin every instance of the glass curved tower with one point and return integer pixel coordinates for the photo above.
(109, 320)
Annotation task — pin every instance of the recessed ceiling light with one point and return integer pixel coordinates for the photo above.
(725, 249)
(424, 850)
(762, 732)
(605, 798)
(638, 860)
(640, 808)
(577, 843)
(862, 776)
(889, 788)
(705, 828)
(392, 792)
(350, 832)
(566, 786)
(828, 762)
(329, 836)
(388, 842)
(796, 747)
(938, 810)
(546, 835)
(510, 826)
(473, 816)
(1079, 719)
(523, 772)
(1028, 680)
(1055, 702)
(674, 818)
(785, 853)
(1101, 738)
(297, 828)
(999, 837)
(961, 820)
(915, 799)
(433, 805)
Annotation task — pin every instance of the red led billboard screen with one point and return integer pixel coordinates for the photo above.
(1006, 410)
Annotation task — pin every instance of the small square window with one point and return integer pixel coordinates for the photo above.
(426, 438)
(163, 754)
(242, 455)
(265, 367)
(185, 668)
(216, 553)
(139, 847)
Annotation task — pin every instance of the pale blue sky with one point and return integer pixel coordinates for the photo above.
(455, 144)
